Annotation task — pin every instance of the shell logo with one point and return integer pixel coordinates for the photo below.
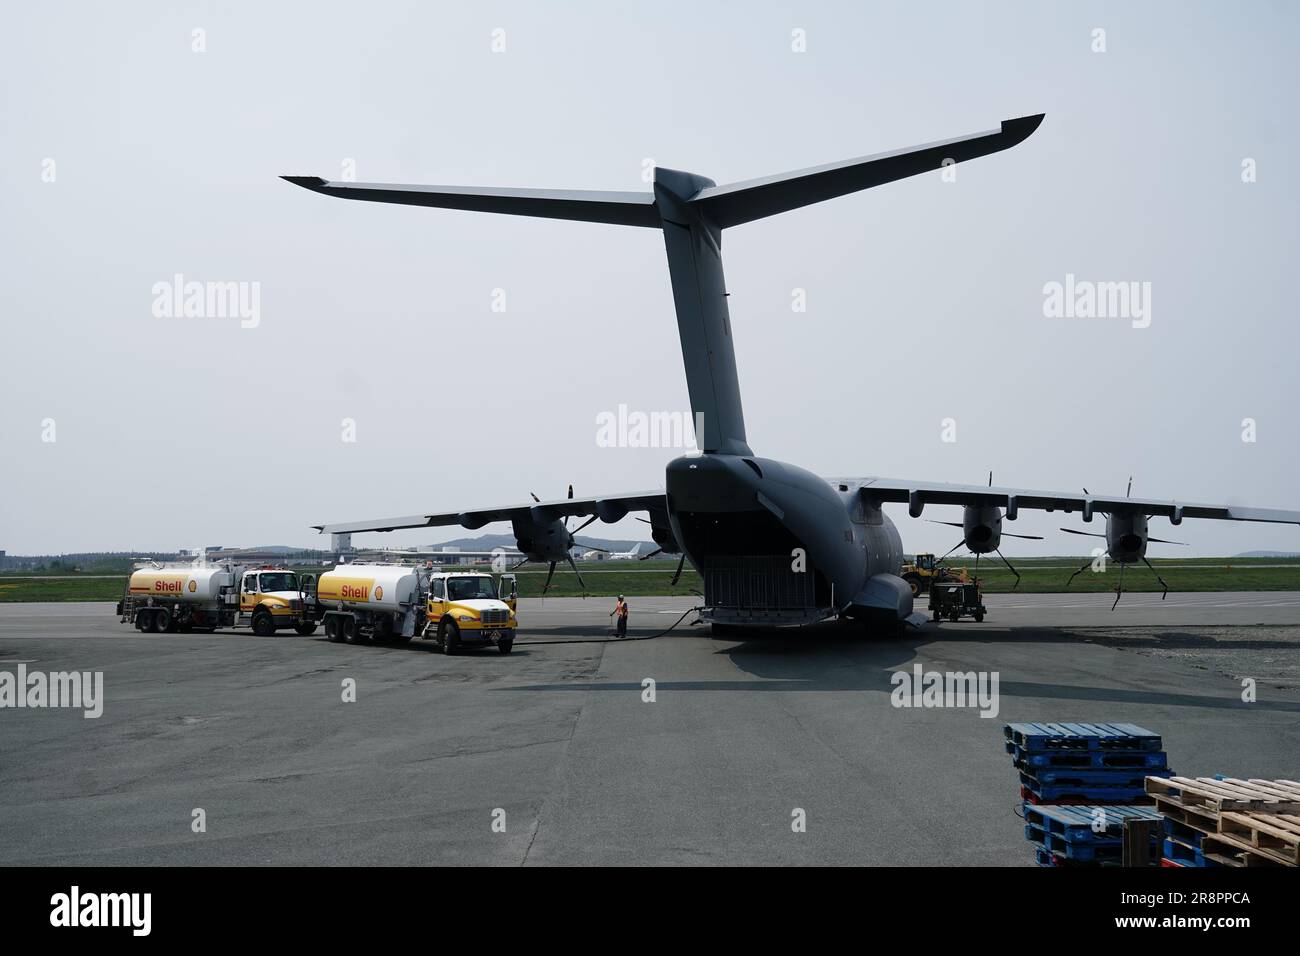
(194, 586)
(379, 593)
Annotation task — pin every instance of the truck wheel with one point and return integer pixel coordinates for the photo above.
(914, 582)
(503, 647)
(162, 621)
(351, 632)
(449, 636)
(333, 633)
(397, 638)
(305, 628)
(263, 624)
(979, 617)
(934, 616)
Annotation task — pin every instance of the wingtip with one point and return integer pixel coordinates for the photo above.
(306, 182)
(1022, 127)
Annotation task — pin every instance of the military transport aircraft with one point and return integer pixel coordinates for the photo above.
(775, 544)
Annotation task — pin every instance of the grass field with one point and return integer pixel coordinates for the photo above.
(1038, 576)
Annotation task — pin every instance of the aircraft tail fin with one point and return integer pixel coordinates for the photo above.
(693, 211)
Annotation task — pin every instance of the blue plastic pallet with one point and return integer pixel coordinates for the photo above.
(1095, 851)
(1075, 823)
(1096, 759)
(1049, 793)
(1039, 737)
(1119, 777)
(1045, 857)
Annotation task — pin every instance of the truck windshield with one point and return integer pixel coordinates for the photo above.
(467, 589)
(278, 582)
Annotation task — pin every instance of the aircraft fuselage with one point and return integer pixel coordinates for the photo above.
(777, 544)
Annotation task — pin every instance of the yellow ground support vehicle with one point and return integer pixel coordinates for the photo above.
(466, 609)
(925, 571)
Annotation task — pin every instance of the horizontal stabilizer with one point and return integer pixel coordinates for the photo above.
(619, 208)
(744, 202)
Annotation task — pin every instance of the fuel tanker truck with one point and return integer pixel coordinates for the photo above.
(391, 603)
(204, 597)
(360, 603)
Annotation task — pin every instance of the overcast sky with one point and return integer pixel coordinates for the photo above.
(131, 157)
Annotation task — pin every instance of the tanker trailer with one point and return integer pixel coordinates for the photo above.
(384, 603)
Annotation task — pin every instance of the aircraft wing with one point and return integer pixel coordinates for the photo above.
(609, 508)
(917, 494)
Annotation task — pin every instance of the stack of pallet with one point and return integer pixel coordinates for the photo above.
(1081, 785)
(1085, 763)
(1082, 835)
(1222, 821)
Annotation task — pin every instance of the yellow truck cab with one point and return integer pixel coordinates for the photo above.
(271, 598)
(467, 609)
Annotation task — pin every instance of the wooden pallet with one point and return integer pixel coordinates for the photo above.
(1231, 854)
(1215, 796)
(1274, 835)
(1245, 822)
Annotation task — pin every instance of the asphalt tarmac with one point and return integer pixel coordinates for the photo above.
(554, 755)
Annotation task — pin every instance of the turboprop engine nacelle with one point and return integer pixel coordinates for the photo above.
(542, 536)
(1126, 537)
(981, 526)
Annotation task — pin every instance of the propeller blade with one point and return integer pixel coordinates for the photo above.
(601, 550)
(549, 574)
(570, 490)
(520, 564)
(990, 479)
(951, 524)
(1129, 493)
(1027, 537)
(535, 498)
(646, 520)
(583, 525)
(1165, 541)
(1086, 534)
(583, 584)
(676, 577)
(647, 557)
